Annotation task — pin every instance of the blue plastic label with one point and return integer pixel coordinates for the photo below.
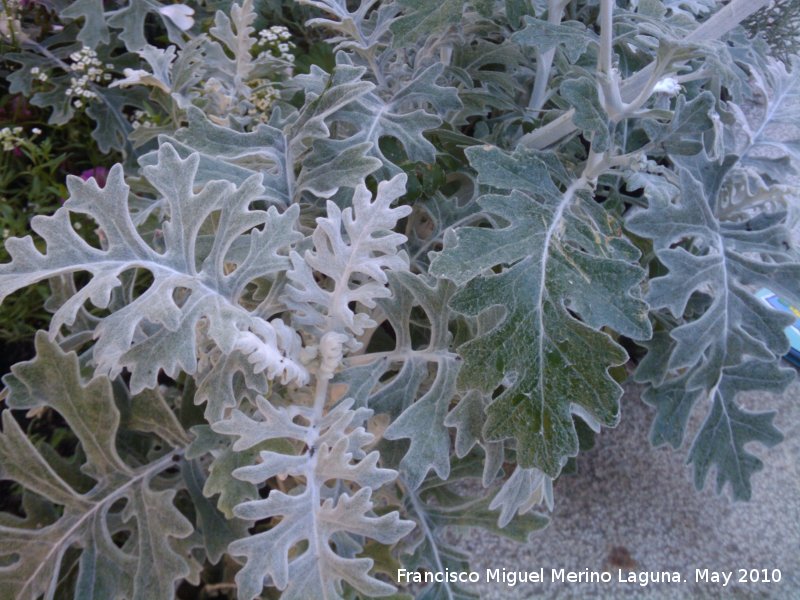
(793, 330)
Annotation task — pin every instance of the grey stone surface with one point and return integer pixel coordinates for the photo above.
(633, 506)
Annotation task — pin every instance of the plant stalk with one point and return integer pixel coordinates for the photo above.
(555, 12)
(717, 26)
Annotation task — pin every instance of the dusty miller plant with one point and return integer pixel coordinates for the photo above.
(303, 333)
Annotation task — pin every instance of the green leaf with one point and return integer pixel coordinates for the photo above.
(313, 512)
(590, 117)
(720, 442)
(562, 256)
(149, 412)
(725, 340)
(146, 567)
(683, 134)
(112, 128)
(220, 480)
(94, 30)
(440, 505)
(190, 279)
(218, 529)
(131, 19)
(233, 156)
(423, 18)
(423, 422)
(400, 116)
(768, 147)
(544, 36)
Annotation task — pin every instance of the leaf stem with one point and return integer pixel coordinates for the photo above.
(555, 12)
(149, 471)
(717, 26)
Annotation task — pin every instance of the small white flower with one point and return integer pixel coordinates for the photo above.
(35, 71)
(179, 14)
(36, 131)
(667, 86)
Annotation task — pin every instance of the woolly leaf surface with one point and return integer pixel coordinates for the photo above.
(151, 562)
(725, 340)
(191, 282)
(565, 273)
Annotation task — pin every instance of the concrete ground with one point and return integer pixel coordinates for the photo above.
(634, 507)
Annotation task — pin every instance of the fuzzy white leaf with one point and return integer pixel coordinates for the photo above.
(352, 248)
(191, 284)
(315, 512)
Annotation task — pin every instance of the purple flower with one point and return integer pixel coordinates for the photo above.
(100, 175)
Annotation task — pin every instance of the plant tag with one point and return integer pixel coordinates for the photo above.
(793, 330)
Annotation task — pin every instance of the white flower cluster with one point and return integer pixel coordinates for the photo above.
(262, 97)
(39, 74)
(276, 42)
(11, 137)
(87, 69)
(139, 119)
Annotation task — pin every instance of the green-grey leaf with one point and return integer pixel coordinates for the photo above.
(423, 422)
(544, 36)
(590, 116)
(190, 279)
(94, 30)
(146, 568)
(683, 134)
(423, 18)
(732, 341)
(561, 254)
